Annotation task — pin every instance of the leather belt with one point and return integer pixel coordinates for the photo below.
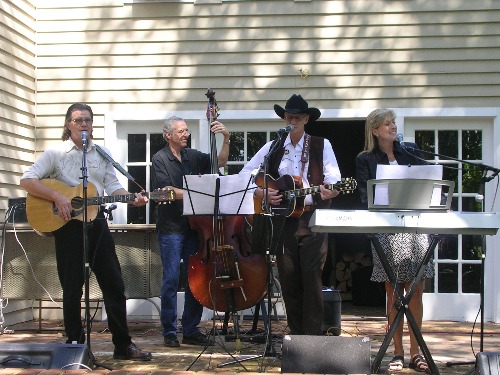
(308, 208)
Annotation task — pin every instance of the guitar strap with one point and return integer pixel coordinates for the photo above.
(305, 152)
(106, 156)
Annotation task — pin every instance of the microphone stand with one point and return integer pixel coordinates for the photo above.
(86, 253)
(484, 167)
(270, 349)
(480, 199)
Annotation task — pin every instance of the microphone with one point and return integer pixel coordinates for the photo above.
(399, 138)
(480, 192)
(287, 129)
(84, 139)
(109, 211)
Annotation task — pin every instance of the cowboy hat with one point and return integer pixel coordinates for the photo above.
(296, 104)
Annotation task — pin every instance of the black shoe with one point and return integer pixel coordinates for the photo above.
(171, 341)
(132, 352)
(80, 340)
(197, 339)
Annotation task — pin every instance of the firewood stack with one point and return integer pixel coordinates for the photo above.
(345, 266)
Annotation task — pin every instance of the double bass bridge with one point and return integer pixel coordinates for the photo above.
(225, 282)
(229, 276)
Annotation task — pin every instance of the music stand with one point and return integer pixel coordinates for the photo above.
(214, 195)
(398, 199)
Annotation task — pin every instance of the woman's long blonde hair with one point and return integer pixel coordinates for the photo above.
(373, 121)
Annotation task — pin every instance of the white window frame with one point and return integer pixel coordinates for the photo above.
(462, 306)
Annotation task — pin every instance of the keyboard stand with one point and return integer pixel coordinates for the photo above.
(402, 302)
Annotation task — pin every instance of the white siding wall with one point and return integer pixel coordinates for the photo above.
(17, 95)
(17, 116)
(161, 56)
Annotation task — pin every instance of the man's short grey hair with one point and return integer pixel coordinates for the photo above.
(169, 123)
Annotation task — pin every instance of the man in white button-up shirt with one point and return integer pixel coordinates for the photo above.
(301, 260)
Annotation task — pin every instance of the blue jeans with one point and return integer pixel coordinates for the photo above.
(172, 248)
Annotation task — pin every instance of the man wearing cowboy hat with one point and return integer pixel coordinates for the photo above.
(300, 262)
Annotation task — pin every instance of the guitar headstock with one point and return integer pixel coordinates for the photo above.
(347, 185)
(162, 195)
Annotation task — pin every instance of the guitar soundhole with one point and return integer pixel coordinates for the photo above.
(77, 203)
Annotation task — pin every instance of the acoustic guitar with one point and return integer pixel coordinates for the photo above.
(292, 203)
(43, 216)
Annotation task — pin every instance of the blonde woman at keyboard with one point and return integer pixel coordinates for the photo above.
(404, 252)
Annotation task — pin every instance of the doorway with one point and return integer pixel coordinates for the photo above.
(349, 263)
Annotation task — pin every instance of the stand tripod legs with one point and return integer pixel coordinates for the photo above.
(270, 350)
(402, 305)
(481, 306)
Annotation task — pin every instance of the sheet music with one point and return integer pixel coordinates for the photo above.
(200, 190)
(427, 172)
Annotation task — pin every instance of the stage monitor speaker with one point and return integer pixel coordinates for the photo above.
(45, 356)
(325, 355)
(487, 363)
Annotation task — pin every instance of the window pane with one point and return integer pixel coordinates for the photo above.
(448, 278)
(255, 140)
(472, 247)
(471, 178)
(471, 278)
(136, 215)
(450, 173)
(425, 141)
(448, 247)
(237, 147)
(472, 144)
(156, 143)
(472, 150)
(136, 147)
(469, 204)
(448, 143)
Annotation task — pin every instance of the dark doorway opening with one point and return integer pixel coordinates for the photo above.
(347, 139)
(349, 263)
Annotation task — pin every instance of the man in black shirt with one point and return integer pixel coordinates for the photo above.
(176, 239)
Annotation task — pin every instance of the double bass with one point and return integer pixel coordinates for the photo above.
(224, 275)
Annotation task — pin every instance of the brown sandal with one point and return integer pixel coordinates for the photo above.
(418, 363)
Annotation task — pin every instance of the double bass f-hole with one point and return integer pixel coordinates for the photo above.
(224, 275)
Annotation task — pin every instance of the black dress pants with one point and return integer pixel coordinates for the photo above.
(104, 264)
(300, 268)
